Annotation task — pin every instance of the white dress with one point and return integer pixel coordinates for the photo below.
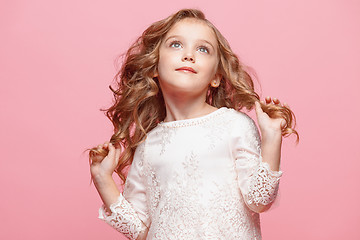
(195, 179)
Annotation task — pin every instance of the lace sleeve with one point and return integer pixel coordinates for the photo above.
(257, 182)
(129, 214)
(260, 185)
(123, 218)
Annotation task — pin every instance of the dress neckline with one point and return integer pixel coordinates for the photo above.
(193, 121)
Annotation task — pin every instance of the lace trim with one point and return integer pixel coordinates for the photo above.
(263, 185)
(123, 218)
(193, 121)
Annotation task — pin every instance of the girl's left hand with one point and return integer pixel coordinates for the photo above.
(269, 127)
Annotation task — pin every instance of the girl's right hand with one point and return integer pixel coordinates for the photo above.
(105, 165)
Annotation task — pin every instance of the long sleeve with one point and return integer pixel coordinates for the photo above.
(128, 214)
(123, 218)
(257, 182)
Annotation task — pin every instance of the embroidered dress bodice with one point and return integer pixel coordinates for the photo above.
(195, 179)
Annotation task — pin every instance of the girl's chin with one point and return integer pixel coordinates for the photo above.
(184, 90)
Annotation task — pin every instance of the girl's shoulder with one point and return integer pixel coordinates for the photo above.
(240, 122)
(240, 117)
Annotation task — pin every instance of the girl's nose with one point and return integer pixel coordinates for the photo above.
(188, 57)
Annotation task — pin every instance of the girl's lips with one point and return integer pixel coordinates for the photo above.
(186, 69)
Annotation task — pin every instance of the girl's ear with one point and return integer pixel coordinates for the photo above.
(156, 74)
(216, 81)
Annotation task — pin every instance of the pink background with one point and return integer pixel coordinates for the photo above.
(56, 60)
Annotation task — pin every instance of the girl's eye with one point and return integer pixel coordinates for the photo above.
(175, 44)
(204, 49)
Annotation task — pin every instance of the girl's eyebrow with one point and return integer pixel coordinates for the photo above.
(178, 36)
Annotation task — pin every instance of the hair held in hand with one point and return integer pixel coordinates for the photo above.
(138, 102)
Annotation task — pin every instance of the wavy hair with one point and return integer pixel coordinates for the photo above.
(138, 102)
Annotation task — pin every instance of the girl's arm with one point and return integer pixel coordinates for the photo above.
(116, 211)
(271, 136)
(101, 169)
(258, 164)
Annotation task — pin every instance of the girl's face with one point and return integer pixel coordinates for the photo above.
(188, 59)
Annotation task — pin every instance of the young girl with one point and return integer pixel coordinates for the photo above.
(197, 167)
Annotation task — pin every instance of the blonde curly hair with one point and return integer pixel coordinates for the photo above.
(138, 102)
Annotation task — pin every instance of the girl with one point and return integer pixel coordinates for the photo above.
(197, 167)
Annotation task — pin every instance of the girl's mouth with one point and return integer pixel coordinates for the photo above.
(186, 69)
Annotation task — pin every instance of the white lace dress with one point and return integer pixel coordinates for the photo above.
(196, 179)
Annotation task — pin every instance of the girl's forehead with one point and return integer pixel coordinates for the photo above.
(195, 28)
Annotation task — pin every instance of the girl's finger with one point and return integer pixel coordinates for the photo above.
(282, 123)
(258, 109)
(276, 101)
(117, 154)
(268, 99)
(111, 153)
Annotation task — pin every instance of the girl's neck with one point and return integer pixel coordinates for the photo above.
(180, 110)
